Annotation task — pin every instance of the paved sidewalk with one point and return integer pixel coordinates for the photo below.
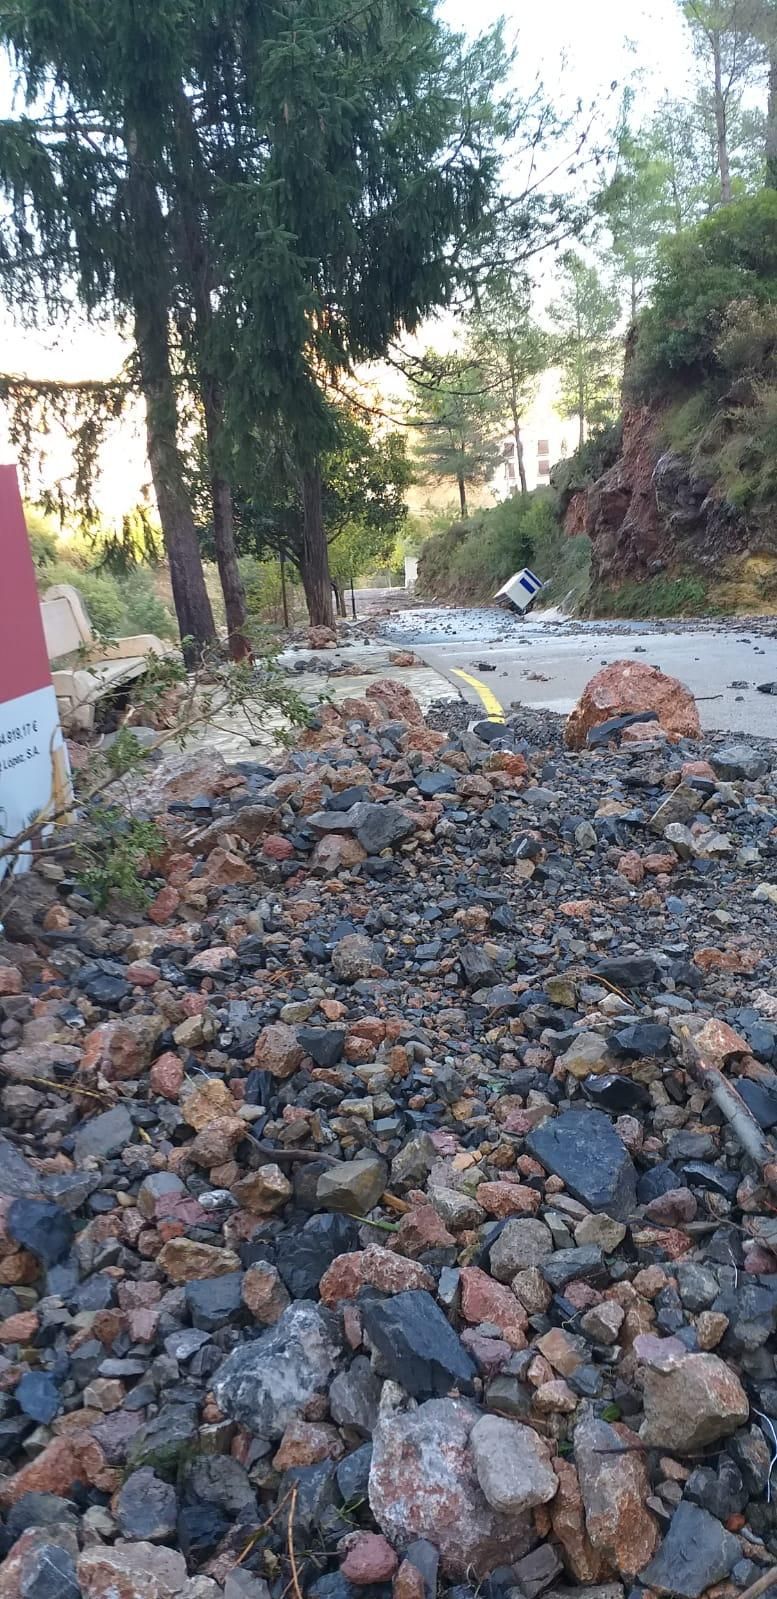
(237, 740)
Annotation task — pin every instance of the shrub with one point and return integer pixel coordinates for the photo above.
(728, 258)
(588, 463)
(474, 558)
(144, 611)
(682, 595)
(99, 591)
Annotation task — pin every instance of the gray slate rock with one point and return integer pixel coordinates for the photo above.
(736, 761)
(354, 1397)
(146, 1507)
(354, 1186)
(106, 1135)
(584, 1150)
(267, 1383)
(419, 1348)
(17, 1177)
(696, 1552)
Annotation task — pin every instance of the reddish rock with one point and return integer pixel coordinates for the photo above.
(207, 1103)
(698, 1401)
(19, 1329)
(422, 1228)
(277, 1050)
(163, 908)
(409, 1582)
(503, 1199)
(321, 638)
(142, 974)
(482, 1299)
(369, 1559)
(659, 865)
(306, 1443)
(263, 1191)
(397, 701)
(225, 868)
(183, 1259)
(132, 1571)
(63, 1463)
(423, 1484)
(379, 1268)
(277, 848)
(217, 1142)
(10, 981)
(264, 1293)
(166, 1076)
(121, 1050)
(717, 1041)
(625, 687)
(337, 852)
(614, 1489)
(675, 1207)
(568, 1522)
(212, 960)
(631, 867)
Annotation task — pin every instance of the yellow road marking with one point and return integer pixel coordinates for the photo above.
(491, 705)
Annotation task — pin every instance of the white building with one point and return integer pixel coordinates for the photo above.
(546, 437)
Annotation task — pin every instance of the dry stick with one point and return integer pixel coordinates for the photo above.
(761, 1585)
(737, 1113)
(292, 1551)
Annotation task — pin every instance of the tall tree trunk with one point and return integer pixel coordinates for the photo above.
(519, 455)
(463, 498)
(721, 123)
(339, 590)
(197, 264)
(771, 121)
(150, 291)
(314, 555)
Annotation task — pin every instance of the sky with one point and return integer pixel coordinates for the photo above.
(578, 47)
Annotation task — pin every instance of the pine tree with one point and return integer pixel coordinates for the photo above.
(459, 416)
(512, 351)
(586, 317)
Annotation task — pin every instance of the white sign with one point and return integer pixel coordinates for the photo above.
(34, 770)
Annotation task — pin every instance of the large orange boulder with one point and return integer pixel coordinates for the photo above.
(628, 687)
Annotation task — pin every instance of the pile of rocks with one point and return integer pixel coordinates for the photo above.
(362, 1226)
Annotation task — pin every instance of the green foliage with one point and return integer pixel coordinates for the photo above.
(509, 349)
(460, 418)
(729, 258)
(116, 608)
(589, 462)
(42, 536)
(685, 594)
(474, 558)
(637, 207)
(144, 611)
(113, 857)
(586, 316)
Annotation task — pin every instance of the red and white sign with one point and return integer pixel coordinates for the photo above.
(34, 771)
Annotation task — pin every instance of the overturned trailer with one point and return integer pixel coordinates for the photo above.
(521, 591)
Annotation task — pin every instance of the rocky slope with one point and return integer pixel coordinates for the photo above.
(364, 1228)
(658, 512)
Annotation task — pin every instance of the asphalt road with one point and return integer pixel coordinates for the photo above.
(497, 661)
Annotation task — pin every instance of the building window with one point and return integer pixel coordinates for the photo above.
(544, 468)
(543, 447)
(511, 471)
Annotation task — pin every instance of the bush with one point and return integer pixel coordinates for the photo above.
(144, 611)
(474, 558)
(116, 607)
(98, 590)
(588, 463)
(682, 595)
(728, 258)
